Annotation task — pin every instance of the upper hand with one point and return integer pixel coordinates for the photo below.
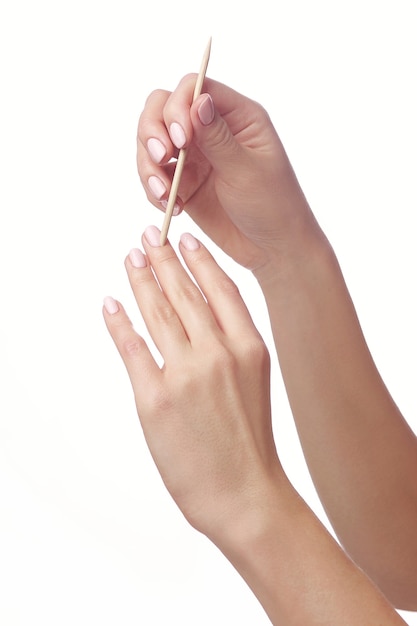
(206, 413)
(238, 184)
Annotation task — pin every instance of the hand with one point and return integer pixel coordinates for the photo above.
(206, 418)
(206, 413)
(238, 184)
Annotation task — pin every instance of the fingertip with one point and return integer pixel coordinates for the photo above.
(189, 242)
(205, 109)
(152, 235)
(136, 258)
(156, 149)
(111, 306)
(177, 134)
(157, 187)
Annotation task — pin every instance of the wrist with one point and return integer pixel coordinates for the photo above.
(249, 518)
(306, 250)
(296, 569)
(266, 547)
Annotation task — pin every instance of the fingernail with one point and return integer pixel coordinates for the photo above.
(189, 242)
(110, 305)
(156, 186)
(177, 135)
(137, 258)
(156, 149)
(153, 236)
(175, 211)
(206, 110)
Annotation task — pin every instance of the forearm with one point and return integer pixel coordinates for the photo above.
(296, 569)
(361, 453)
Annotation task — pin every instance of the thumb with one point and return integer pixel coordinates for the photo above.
(213, 136)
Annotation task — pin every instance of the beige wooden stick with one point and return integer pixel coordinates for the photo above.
(183, 152)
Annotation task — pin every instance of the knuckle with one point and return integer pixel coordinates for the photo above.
(256, 352)
(225, 285)
(153, 401)
(144, 128)
(138, 278)
(189, 293)
(188, 81)
(180, 99)
(163, 313)
(149, 114)
(262, 114)
(132, 346)
(160, 401)
(162, 255)
(156, 95)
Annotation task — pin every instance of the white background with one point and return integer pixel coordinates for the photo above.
(88, 534)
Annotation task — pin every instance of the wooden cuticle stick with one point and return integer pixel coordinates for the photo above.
(183, 152)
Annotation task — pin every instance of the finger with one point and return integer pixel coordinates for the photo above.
(222, 294)
(178, 287)
(177, 112)
(160, 317)
(156, 180)
(214, 136)
(143, 371)
(152, 132)
(155, 151)
(231, 105)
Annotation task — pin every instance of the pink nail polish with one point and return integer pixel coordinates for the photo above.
(177, 135)
(156, 186)
(153, 236)
(206, 110)
(137, 258)
(156, 149)
(189, 242)
(110, 305)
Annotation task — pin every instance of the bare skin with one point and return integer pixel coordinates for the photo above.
(240, 188)
(206, 417)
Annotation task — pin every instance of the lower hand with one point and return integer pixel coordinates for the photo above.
(206, 412)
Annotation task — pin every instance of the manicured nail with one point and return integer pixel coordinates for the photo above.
(175, 211)
(189, 242)
(137, 258)
(153, 236)
(177, 135)
(206, 110)
(156, 186)
(156, 149)
(110, 305)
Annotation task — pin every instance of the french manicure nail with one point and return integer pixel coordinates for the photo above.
(153, 236)
(137, 258)
(156, 149)
(189, 242)
(206, 110)
(156, 186)
(177, 135)
(110, 305)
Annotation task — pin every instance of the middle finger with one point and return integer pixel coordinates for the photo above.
(180, 290)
